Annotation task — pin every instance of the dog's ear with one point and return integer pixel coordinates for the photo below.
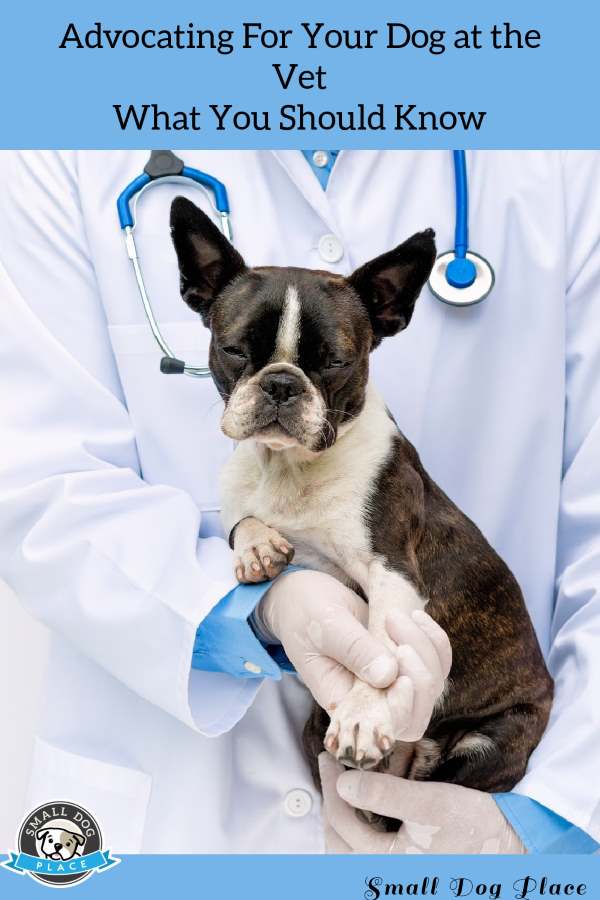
(207, 261)
(79, 839)
(41, 834)
(390, 284)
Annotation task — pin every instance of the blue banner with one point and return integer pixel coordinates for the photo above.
(232, 877)
(25, 862)
(270, 75)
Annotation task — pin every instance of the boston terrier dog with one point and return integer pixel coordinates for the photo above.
(322, 469)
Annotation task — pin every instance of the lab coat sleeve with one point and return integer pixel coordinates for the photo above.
(111, 563)
(563, 771)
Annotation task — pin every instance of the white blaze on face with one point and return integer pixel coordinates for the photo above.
(288, 333)
(246, 414)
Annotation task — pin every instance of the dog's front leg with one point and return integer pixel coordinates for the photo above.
(260, 552)
(362, 730)
(388, 591)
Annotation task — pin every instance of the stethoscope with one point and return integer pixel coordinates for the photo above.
(459, 277)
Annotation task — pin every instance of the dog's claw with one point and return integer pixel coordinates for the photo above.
(383, 742)
(261, 552)
(363, 728)
(331, 740)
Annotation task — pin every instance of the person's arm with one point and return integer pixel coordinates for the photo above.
(562, 774)
(109, 561)
(556, 807)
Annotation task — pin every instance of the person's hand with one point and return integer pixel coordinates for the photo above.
(321, 625)
(436, 817)
(424, 658)
(367, 723)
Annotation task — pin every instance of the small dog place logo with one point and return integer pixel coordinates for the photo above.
(60, 844)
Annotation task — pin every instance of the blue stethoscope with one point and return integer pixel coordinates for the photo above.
(459, 277)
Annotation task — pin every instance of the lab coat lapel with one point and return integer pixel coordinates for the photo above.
(297, 168)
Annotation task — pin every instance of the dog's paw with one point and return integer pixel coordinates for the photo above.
(361, 732)
(261, 553)
(263, 561)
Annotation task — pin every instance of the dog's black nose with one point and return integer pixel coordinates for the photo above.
(57, 847)
(281, 386)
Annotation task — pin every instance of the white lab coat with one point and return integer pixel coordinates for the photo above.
(109, 469)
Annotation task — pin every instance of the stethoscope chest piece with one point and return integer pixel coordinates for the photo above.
(461, 280)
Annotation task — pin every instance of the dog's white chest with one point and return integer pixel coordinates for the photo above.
(318, 505)
(321, 505)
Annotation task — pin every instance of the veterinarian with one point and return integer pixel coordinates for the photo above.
(110, 529)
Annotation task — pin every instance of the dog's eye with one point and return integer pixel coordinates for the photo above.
(235, 352)
(337, 364)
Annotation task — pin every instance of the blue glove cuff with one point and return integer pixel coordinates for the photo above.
(226, 642)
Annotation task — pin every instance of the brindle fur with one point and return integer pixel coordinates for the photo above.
(499, 686)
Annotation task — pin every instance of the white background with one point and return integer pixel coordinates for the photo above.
(23, 652)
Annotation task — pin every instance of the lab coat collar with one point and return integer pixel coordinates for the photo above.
(297, 168)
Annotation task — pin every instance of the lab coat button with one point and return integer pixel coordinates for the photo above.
(298, 803)
(330, 248)
(320, 158)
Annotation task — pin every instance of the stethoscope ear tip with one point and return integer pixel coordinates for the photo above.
(169, 365)
(461, 281)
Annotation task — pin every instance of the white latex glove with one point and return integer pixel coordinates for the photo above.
(424, 659)
(321, 625)
(436, 817)
(403, 711)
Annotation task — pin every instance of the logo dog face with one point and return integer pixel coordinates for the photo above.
(290, 347)
(58, 843)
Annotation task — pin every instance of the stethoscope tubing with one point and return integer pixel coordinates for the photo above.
(218, 189)
(461, 230)
(170, 363)
(457, 294)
